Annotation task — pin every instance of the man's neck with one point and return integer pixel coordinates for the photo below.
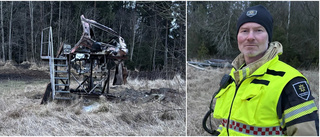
(249, 60)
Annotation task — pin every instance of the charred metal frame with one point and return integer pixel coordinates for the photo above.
(90, 59)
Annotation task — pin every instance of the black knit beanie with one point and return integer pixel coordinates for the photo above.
(258, 14)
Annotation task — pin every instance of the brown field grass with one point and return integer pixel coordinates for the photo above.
(22, 114)
(201, 84)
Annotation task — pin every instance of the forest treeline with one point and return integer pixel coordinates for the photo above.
(211, 29)
(153, 31)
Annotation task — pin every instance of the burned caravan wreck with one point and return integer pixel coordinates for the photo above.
(88, 63)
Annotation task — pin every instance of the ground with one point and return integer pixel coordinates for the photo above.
(142, 107)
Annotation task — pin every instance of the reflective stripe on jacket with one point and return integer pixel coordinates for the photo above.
(253, 102)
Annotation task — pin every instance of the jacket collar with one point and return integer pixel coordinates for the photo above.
(241, 71)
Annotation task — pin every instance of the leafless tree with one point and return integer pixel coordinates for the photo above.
(10, 34)
(2, 35)
(32, 40)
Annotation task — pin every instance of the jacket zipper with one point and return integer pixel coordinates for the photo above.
(237, 87)
(228, 122)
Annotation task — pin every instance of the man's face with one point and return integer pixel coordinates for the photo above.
(252, 40)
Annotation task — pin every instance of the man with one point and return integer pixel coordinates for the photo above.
(263, 95)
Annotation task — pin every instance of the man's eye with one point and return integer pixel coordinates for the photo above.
(244, 31)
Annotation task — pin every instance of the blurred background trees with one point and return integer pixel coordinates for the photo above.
(154, 31)
(213, 25)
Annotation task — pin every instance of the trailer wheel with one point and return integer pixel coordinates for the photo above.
(47, 97)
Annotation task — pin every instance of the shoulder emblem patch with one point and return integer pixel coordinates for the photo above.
(251, 13)
(302, 89)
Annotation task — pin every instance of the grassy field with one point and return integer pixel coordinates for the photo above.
(201, 84)
(22, 114)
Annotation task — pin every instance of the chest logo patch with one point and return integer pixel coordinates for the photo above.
(302, 89)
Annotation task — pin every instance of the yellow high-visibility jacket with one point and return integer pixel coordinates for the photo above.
(250, 107)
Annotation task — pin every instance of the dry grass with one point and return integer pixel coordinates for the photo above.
(313, 78)
(176, 83)
(22, 114)
(8, 65)
(201, 85)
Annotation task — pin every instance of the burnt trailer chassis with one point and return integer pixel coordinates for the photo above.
(89, 63)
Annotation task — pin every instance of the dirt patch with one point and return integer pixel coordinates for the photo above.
(25, 71)
(23, 74)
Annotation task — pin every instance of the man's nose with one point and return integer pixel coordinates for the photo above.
(250, 36)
